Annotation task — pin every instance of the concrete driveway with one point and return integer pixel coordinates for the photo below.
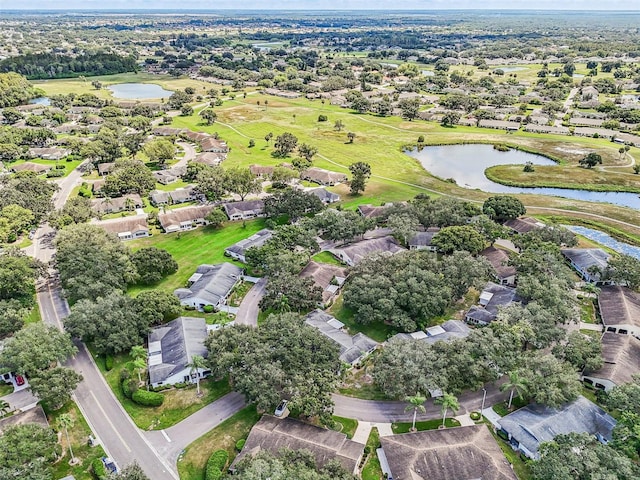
(250, 306)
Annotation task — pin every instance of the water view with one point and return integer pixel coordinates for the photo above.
(138, 91)
(44, 101)
(466, 165)
(606, 240)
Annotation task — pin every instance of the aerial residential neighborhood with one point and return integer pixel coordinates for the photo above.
(326, 242)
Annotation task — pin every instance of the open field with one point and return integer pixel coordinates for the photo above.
(380, 142)
(193, 248)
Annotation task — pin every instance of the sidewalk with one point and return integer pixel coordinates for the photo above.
(364, 430)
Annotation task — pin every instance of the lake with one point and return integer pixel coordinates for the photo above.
(466, 165)
(138, 91)
(606, 240)
(40, 101)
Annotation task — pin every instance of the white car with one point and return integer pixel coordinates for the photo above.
(281, 408)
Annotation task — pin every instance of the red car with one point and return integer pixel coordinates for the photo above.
(19, 380)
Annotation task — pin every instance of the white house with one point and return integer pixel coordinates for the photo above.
(210, 285)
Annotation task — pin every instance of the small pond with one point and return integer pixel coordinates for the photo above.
(606, 240)
(138, 91)
(466, 165)
(40, 101)
(511, 69)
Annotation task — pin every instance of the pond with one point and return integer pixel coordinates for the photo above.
(466, 165)
(40, 101)
(138, 91)
(606, 240)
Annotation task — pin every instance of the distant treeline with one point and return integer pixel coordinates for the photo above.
(48, 65)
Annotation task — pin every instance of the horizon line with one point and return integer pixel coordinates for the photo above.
(502, 9)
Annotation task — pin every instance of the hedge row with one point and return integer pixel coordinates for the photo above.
(148, 399)
(215, 465)
(97, 467)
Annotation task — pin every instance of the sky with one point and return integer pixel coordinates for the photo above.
(319, 4)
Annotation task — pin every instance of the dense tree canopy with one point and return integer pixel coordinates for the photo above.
(129, 176)
(458, 238)
(153, 264)
(15, 89)
(292, 202)
(283, 358)
(28, 191)
(408, 289)
(503, 207)
(26, 452)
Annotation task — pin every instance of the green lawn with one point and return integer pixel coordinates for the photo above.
(378, 331)
(427, 425)
(588, 310)
(5, 389)
(193, 248)
(371, 469)
(502, 410)
(521, 466)
(79, 436)
(191, 464)
(347, 426)
(34, 314)
(68, 166)
(178, 403)
(326, 257)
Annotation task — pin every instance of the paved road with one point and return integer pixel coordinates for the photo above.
(389, 412)
(189, 154)
(248, 311)
(171, 442)
(121, 439)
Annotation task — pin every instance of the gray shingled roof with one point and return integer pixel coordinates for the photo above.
(324, 195)
(358, 250)
(500, 296)
(619, 306)
(423, 239)
(351, 347)
(523, 224)
(447, 332)
(211, 282)
(499, 259)
(173, 345)
(535, 424)
(462, 453)
(584, 258)
(258, 239)
(621, 355)
(274, 434)
(255, 207)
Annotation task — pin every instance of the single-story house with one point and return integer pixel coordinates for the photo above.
(523, 224)
(446, 332)
(49, 153)
(105, 168)
(492, 297)
(462, 453)
(212, 159)
(588, 262)
(244, 210)
(589, 93)
(210, 285)
(500, 125)
(274, 434)
(422, 240)
(194, 136)
(322, 177)
(96, 186)
(172, 346)
(532, 127)
(586, 122)
(261, 170)
(621, 356)
(32, 415)
(166, 131)
(126, 228)
(179, 195)
(324, 195)
(373, 211)
(211, 144)
(328, 277)
(31, 167)
(532, 425)
(352, 348)
(504, 273)
(166, 177)
(620, 310)
(258, 239)
(187, 218)
(105, 205)
(353, 253)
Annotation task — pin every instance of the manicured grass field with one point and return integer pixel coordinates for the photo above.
(79, 437)
(377, 331)
(178, 403)
(426, 425)
(348, 425)
(195, 247)
(326, 257)
(191, 465)
(68, 166)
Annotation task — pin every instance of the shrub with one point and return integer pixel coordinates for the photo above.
(322, 118)
(108, 362)
(475, 416)
(148, 399)
(207, 309)
(240, 444)
(60, 167)
(55, 173)
(129, 387)
(97, 467)
(125, 374)
(421, 139)
(216, 464)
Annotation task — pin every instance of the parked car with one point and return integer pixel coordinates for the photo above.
(19, 380)
(281, 408)
(32, 234)
(110, 465)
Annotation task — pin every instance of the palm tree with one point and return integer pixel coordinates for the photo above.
(415, 403)
(139, 355)
(447, 401)
(516, 383)
(197, 362)
(4, 408)
(65, 421)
